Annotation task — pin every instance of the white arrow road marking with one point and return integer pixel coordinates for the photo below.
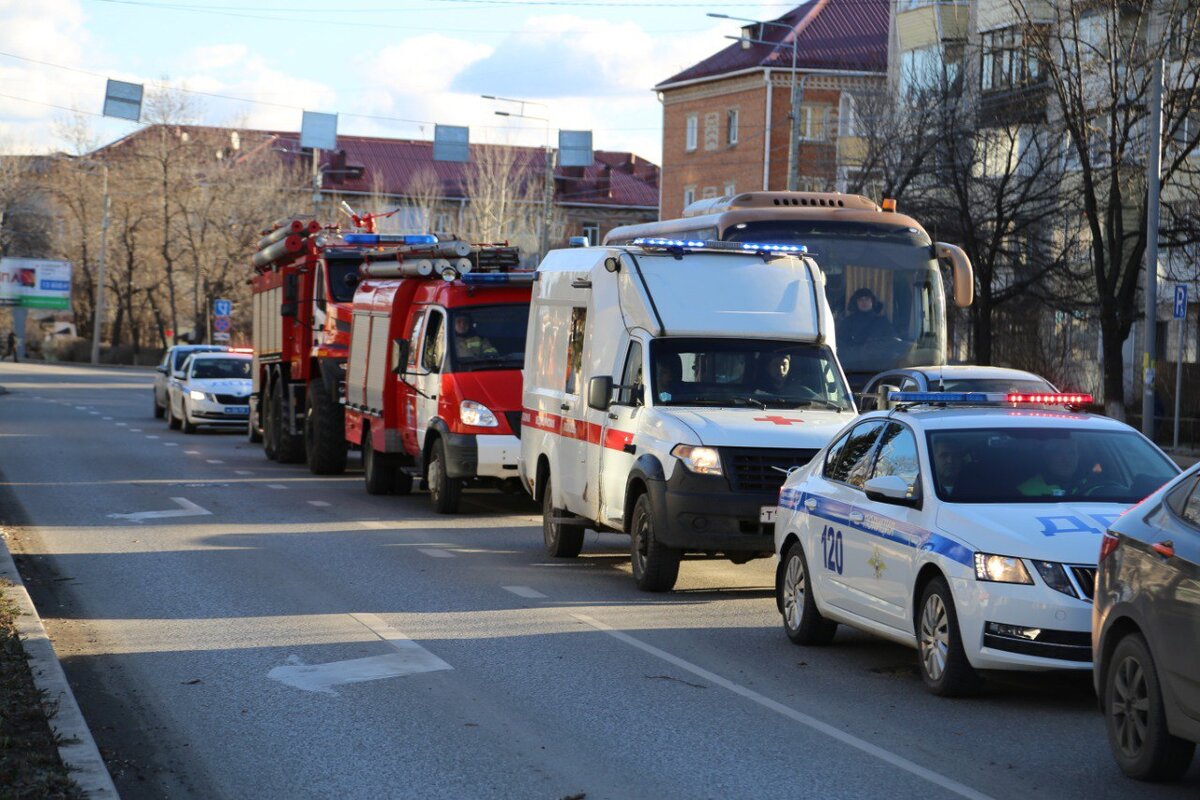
(409, 659)
(186, 509)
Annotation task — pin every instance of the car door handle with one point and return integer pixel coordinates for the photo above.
(856, 516)
(565, 407)
(613, 416)
(1165, 549)
(811, 504)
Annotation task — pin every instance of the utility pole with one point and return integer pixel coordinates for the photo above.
(1153, 176)
(316, 182)
(547, 201)
(98, 325)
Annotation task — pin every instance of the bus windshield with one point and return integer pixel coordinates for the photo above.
(883, 286)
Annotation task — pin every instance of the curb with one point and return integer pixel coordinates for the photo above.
(77, 749)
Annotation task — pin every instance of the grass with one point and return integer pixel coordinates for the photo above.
(30, 766)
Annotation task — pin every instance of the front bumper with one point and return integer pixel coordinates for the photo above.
(1055, 629)
(701, 513)
(207, 412)
(482, 456)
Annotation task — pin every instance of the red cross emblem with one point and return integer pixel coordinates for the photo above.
(776, 420)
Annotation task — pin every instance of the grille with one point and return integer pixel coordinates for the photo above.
(761, 469)
(1086, 578)
(514, 422)
(232, 399)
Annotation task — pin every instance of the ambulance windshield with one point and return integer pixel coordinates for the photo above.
(745, 372)
(1044, 465)
(488, 337)
(882, 283)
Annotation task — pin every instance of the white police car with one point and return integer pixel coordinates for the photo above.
(965, 525)
(212, 389)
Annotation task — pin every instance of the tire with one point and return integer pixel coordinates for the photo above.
(941, 658)
(289, 448)
(270, 443)
(253, 431)
(802, 620)
(1135, 718)
(324, 432)
(655, 566)
(159, 411)
(562, 540)
(188, 427)
(444, 491)
(379, 472)
(172, 420)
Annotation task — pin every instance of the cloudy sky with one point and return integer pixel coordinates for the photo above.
(387, 67)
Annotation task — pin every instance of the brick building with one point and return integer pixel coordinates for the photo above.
(726, 119)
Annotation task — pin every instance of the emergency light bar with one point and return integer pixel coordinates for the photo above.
(1050, 399)
(938, 397)
(498, 277)
(389, 238)
(986, 398)
(717, 246)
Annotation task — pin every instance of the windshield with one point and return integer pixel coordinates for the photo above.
(182, 355)
(1045, 465)
(882, 283)
(488, 337)
(991, 385)
(343, 279)
(753, 373)
(207, 368)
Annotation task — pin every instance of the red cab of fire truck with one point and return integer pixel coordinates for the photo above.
(433, 386)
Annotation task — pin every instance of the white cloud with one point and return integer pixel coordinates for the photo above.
(217, 56)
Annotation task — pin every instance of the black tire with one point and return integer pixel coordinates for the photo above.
(562, 540)
(802, 620)
(444, 491)
(941, 658)
(404, 483)
(188, 427)
(159, 411)
(379, 471)
(172, 420)
(1135, 718)
(289, 448)
(324, 432)
(253, 431)
(655, 566)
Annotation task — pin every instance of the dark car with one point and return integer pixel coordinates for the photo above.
(955, 378)
(1146, 632)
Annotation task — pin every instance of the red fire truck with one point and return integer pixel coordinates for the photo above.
(433, 386)
(303, 284)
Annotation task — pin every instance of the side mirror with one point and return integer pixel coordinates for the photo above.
(161, 368)
(600, 392)
(882, 392)
(960, 268)
(889, 489)
(399, 356)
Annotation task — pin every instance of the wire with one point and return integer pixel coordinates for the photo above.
(50, 105)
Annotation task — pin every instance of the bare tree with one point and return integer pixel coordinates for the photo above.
(504, 191)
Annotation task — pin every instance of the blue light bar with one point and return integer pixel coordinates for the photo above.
(516, 278)
(773, 248)
(939, 397)
(692, 244)
(389, 238)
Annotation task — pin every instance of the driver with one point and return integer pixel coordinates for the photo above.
(467, 343)
(948, 463)
(668, 372)
(1058, 475)
(775, 373)
(863, 323)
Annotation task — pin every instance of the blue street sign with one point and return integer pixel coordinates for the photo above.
(1180, 301)
(222, 308)
(221, 324)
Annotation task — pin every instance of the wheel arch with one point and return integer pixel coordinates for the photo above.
(541, 475)
(437, 429)
(928, 572)
(645, 469)
(1116, 630)
(792, 538)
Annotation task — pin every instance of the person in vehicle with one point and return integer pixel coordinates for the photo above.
(668, 372)
(468, 343)
(863, 322)
(775, 373)
(947, 463)
(1059, 475)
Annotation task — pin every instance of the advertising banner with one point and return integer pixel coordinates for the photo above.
(35, 283)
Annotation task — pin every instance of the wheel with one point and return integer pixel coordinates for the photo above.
(159, 411)
(188, 427)
(172, 420)
(942, 660)
(1135, 718)
(655, 566)
(563, 540)
(379, 473)
(253, 431)
(444, 491)
(324, 431)
(289, 448)
(404, 483)
(802, 621)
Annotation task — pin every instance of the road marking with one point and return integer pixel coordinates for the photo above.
(524, 591)
(375, 524)
(94, 413)
(80, 408)
(186, 509)
(121, 424)
(170, 444)
(887, 756)
(409, 659)
(434, 552)
(151, 436)
(276, 486)
(192, 452)
(135, 430)
(107, 419)
(318, 503)
(242, 472)
(214, 461)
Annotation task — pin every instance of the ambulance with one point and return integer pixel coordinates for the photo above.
(669, 386)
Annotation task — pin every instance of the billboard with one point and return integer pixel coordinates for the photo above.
(35, 283)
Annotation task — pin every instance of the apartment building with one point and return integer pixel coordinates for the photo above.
(726, 119)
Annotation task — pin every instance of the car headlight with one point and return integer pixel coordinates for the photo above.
(1000, 569)
(700, 460)
(476, 415)
(197, 395)
(1055, 577)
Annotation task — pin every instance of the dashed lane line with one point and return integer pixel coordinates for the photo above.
(318, 503)
(192, 452)
(434, 552)
(170, 444)
(276, 486)
(214, 461)
(524, 591)
(151, 436)
(242, 472)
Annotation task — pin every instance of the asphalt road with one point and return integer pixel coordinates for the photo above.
(288, 636)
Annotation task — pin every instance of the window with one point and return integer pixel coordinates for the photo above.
(489, 337)
(730, 189)
(1191, 509)
(710, 192)
(632, 390)
(215, 368)
(731, 126)
(855, 461)
(413, 340)
(806, 124)
(689, 195)
(432, 349)
(592, 231)
(443, 223)
(832, 455)
(847, 116)
(898, 456)
(575, 351)
(693, 133)
(1008, 60)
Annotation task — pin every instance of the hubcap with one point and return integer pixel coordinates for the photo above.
(935, 637)
(1130, 706)
(794, 587)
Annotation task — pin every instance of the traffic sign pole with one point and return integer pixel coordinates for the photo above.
(1181, 315)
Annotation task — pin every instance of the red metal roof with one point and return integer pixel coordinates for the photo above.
(830, 34)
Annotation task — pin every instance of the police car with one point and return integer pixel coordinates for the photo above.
(965, 525)
(212, 389)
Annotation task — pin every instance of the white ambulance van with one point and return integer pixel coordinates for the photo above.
(668, 387)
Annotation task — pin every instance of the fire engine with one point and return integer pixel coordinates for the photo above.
(433, 383)
(304, 280)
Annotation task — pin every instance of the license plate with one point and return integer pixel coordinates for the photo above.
(767, 513)
(237, 411)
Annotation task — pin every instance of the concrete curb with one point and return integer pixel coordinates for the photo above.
(77, 749)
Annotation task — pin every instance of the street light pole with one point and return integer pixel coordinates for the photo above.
(548, 174)
(1153, 173)
(98, 324)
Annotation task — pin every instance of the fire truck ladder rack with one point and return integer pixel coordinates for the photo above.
(281, 241)
(448, 260)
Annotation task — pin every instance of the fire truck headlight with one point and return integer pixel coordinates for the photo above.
(476, 415)
(197, 395)
(700, 460)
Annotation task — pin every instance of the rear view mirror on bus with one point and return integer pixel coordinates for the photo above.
(960, 268)
(600, 392)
